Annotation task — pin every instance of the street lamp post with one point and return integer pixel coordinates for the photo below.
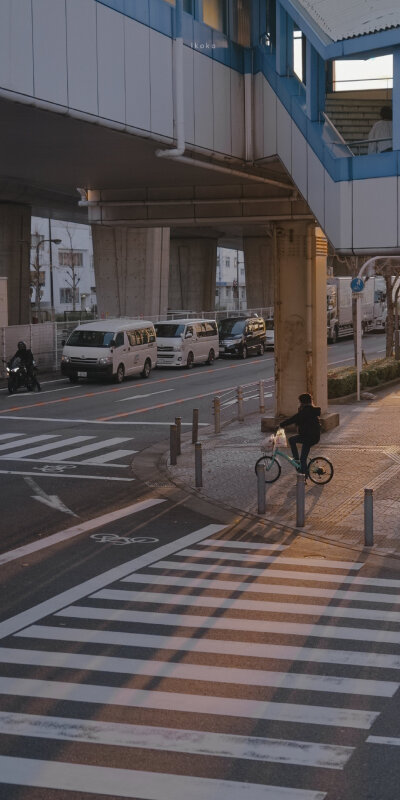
(39, 244)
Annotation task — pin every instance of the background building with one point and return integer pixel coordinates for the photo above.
(230, 290)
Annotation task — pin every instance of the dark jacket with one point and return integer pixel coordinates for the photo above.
(26, 357)
(307, 421)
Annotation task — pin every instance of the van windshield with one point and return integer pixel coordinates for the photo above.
(169, 331)
(81, 338)
(233, 327)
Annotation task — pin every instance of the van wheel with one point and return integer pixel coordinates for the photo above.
(211, 357)
(73, 379)
(244, 352)
(120, 374)
(190, 360)
(146, 369)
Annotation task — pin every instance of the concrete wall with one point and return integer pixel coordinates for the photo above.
(15, 237)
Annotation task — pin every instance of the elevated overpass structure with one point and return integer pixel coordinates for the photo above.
(94, 93)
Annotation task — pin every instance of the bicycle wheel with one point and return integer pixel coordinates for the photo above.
(272, 468)
(320, 470)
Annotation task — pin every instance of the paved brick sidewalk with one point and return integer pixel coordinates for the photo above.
(365, 451)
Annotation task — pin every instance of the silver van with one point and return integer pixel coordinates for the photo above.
(184, 342)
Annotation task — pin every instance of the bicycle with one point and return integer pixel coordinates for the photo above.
(319, 469)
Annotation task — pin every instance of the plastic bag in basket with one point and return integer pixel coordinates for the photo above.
(280, 438)
(268, 444)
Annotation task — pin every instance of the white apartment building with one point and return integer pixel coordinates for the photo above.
(230, 290)
(61, 268)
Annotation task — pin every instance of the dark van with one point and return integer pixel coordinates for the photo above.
(241, 336)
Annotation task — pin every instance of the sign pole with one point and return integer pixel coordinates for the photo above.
(358, 343)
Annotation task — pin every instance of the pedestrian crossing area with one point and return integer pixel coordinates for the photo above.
(188, 676)
(76, 450)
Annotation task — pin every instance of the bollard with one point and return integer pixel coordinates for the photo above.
(240, 404)
(261, 488)
(300, 499)
(195, 425)
(172, 445)
(178, 423)
(368, 517)
(262, 398)
(217, 414)
(198, 466)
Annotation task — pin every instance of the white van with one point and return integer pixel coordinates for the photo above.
(184, 342)
(110, 348)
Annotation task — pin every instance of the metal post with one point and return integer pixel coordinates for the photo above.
(217, 414)
(195, 425)
(178, 423)
(198, 466)
(368, 517)
(240, 404)
(262, 400)
(359, 343)
(300, 499)
(172, 444)
(261, 488)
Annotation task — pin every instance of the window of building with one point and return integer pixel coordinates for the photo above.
(36, 238)
(374, 73)
(227, 262)
(187, 5)
(299, 55)
(215, 14)
(70, 258)
(66, 295)
(241, 12)
(38, 277)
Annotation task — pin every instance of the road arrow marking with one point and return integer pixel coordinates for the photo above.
(50, 500)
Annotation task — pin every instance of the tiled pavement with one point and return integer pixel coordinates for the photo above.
(365, 451)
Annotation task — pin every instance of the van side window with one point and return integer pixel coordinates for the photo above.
(151, 334)
(119, 339)
(200, 329)
(189, 329)
(134, 338)
(145, 335)
(211, 328)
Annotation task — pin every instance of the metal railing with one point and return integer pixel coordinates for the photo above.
(240, 401)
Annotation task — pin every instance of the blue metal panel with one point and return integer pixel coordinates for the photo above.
(161, 16)
(137, 9)
(222, 48)
(187, 29)
(281, 40)
(376, 165)
(396, 100)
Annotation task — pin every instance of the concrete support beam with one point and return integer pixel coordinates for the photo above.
(259, 270)
(131, 267)
(193, 265)
(15, 237)
(300, 318)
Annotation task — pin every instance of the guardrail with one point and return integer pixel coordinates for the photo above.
(240, 401)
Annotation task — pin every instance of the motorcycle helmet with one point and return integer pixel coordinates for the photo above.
(21, 346)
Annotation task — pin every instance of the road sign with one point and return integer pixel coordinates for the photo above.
(357, 285)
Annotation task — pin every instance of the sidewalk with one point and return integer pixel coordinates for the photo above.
(365, 452)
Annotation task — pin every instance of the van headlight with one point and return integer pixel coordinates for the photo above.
(105, 360)
(176, 348)
(65, 359)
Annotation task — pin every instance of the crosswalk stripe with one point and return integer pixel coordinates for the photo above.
(258, 587)
(194, 672)
(216, 646)
(107, 457)
(5, 436)
(189, 703)
(232, 623)
(90, 448)
(391, 740)
(273, 572)
(146, 785)
(245, 545)
(309, 562)
(167, 598)
(30, 440)
(44, 448)
(254, 748)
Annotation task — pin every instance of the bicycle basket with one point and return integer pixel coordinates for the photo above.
(268, 445)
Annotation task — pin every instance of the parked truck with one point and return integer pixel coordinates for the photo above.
(339, 306)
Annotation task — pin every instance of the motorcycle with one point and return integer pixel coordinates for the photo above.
(17, 376)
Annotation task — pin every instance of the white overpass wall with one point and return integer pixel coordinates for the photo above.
(87, 57)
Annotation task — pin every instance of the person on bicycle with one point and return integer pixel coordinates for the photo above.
(309, 431)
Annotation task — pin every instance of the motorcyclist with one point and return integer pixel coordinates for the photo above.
(25, 356)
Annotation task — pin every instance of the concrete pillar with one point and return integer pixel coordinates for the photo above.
(259, 270)
(300, 317)
(15, 238)
(193, 266)
(131, 267)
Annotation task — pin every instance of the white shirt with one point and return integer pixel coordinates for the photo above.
(381, 130)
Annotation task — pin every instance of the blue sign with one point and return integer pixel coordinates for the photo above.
(357, 285)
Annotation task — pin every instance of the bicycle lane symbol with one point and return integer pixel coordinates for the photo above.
(113, 538)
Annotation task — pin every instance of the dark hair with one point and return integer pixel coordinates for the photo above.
(386, 112)
(306, 399)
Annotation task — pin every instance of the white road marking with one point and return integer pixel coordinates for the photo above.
(5, 436)
(91, 421)
(50, 500)
(89, 448)
(258, 587)
(282, 628)
(30, 451)
(76, 530)
(310, 562)
(233, 604)
(199, 672)
(147, 785)
(107, 457)
(64, 475)
(189, 703)
(29, 440)
(217, 646)
(391, 740)
(35, 613)
(142, 396)
(245, 545)
(253, 748)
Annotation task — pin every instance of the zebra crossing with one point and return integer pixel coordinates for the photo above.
(155, 658)
(56, 449)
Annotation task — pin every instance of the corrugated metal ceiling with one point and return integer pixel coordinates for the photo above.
(343, 19)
